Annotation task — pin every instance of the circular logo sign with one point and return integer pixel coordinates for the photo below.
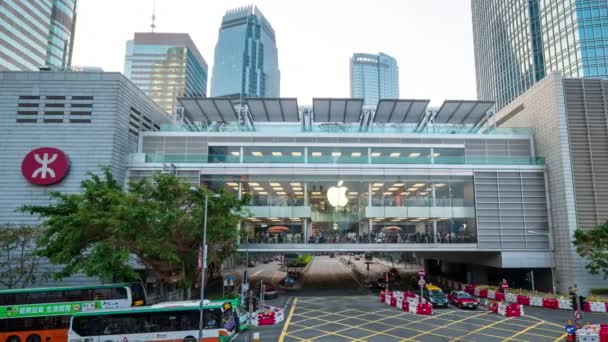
(45, 166)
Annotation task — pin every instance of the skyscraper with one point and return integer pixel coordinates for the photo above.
(36, 34)
(518, 42)
(166, 66)
(246, 59)
(373, 77)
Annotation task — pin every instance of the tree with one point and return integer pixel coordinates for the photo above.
(107, 232)
(19, 266)
(593, 246)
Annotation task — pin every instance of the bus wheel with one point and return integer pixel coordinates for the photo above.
(189, 339)
(13, 338)
(33, 338)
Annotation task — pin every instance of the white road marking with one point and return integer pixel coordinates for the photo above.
(256, 273)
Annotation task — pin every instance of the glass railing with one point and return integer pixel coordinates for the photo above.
(219, 159)
(346, 129)
(404, 238)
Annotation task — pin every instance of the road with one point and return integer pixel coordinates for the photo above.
(329, 275)
(332, 306)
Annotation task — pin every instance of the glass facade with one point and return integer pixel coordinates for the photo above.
(382, 156)
(166, 66)
(518, 42)
(246, 57)
(373, 77)
(355, 209)
(34, 34)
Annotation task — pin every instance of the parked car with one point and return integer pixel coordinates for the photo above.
(435, 296)
(250, 263)
(463, 300)
(270, 292)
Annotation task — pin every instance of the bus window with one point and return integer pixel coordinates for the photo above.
(212, 318)
(138, 294)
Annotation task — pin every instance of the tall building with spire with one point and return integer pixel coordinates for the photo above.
(166, 66)
(373, 77)
(36, 34)
(246, 58)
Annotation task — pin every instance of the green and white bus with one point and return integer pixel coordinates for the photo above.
(43, 314)
(165, 322)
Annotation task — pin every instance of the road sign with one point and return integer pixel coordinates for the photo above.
(421, 282)
(421, 273)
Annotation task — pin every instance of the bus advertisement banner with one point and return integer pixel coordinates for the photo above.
(32, 310)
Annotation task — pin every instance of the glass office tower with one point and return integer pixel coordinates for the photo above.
(518, 42)
(246, 58)
(373, 77)
(166, 66)
(35, 34)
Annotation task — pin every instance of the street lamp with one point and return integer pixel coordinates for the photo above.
(195, 190)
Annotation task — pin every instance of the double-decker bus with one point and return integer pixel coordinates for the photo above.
(172, 321)
(43, 314)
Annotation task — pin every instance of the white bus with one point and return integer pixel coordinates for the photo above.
(176, 321)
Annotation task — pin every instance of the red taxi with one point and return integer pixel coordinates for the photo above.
(463, 300)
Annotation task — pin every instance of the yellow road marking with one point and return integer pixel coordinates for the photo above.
(447, 325)
(402, 326)
(286, 326)
(522, 331)
(480, 329)
(561, 338)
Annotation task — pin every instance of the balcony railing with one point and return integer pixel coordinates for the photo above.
(229, 159)
(338, 128)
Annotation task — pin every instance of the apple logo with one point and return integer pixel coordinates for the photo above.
(337, 195)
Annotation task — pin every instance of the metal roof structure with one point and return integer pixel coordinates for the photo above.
(462, 112)
(337, 109)
(400, 111)
(209, 109)
(273, 109)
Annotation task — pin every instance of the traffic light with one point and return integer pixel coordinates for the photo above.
(581, 300)
(573, 298)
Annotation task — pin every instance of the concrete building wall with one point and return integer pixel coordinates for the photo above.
(94, 129)
(543, 108)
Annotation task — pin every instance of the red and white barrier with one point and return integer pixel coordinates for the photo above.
(407, 301)
(594, 332)
(510, 310)
(491, 294)
(536, 301)
(268, 315)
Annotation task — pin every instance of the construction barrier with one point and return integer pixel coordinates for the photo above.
(550, 303)
(563, 303)
(510, 310)
(268, 315)
(593, 332)
(595, 307)
(424, 309)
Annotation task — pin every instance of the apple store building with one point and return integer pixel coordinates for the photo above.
(338, 176)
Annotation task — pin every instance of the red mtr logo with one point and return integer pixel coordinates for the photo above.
(45, 166)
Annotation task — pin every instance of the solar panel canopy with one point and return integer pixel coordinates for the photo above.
(400, 111)
(337, 109)
(462, 112)
(273, 109)
(210, 109)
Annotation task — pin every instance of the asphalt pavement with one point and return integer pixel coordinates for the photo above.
(333, 306)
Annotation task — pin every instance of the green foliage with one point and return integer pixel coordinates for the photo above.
(19, 266)
(105, 231)
(593, 246)
(599, 292)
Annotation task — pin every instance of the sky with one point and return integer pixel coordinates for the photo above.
(432, 40)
